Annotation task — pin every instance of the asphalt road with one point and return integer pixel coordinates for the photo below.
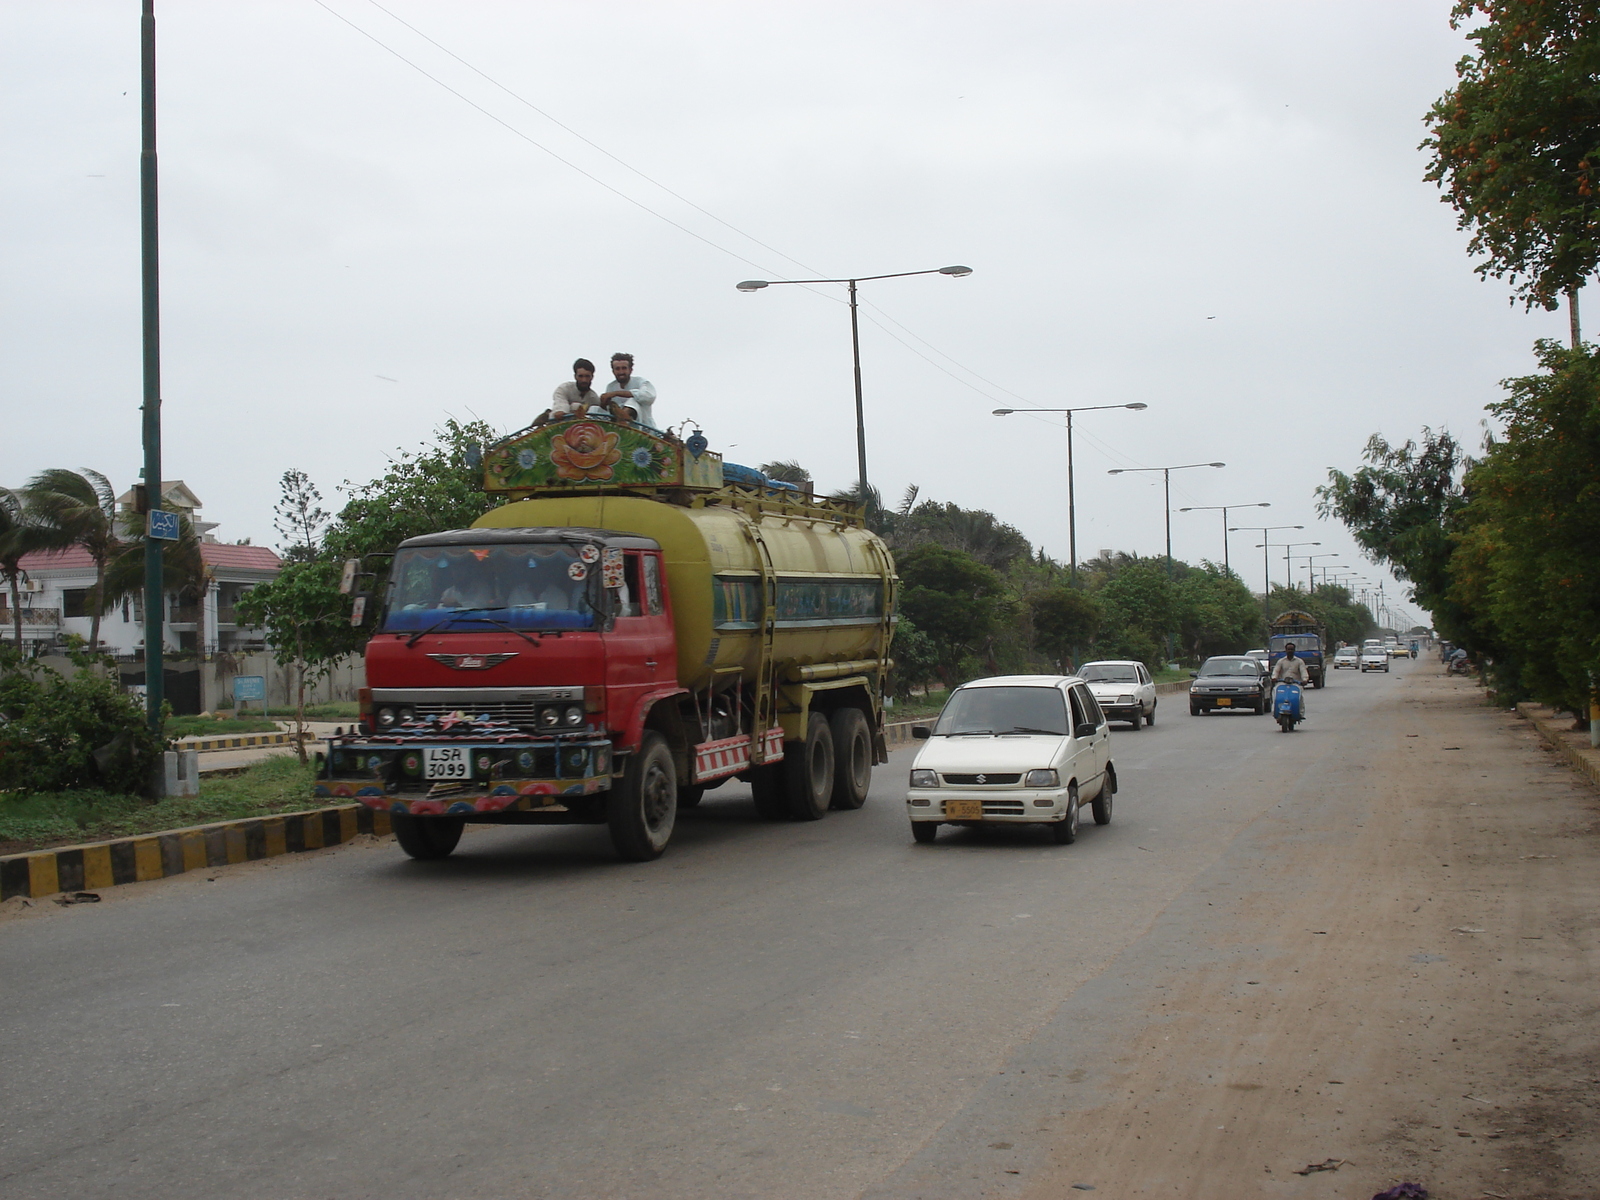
(819, 1010)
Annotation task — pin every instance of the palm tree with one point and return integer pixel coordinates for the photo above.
(183, 568)
(19, 535)
(79, 508)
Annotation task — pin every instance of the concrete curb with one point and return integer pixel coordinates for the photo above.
(238, 741)
(157, 855)
(1574, 747)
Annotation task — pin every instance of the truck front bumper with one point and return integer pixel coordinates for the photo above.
(522, 775)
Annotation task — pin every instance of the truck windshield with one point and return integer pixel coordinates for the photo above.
(524, 586)
(1003, 710)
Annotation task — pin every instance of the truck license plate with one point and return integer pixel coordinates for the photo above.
(446, 762)
(963, 810)
(1224, 702)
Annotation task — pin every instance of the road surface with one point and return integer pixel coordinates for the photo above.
(1371, 942)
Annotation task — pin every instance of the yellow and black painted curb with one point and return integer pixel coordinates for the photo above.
(238, 741)
(1573, 747)
(158, 855)
(899, 733)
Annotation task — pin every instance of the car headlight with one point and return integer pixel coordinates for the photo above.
(924, 779)
(1046, 778)
(1124, 699)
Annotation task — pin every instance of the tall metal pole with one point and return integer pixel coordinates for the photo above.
(1226, 568)
(1166, 485)
(1072, 508)
(154, 594)
(861, 421)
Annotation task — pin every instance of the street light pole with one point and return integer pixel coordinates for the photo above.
(1223, 508)
(1072, 494)
(149, 244)
(1166, 480)
(755, 285)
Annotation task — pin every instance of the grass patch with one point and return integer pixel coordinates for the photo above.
(916, 708)
(274, 785)
(182, 727)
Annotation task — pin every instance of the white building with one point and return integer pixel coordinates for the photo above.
(57, 585)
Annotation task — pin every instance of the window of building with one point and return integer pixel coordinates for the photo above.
(75, 602)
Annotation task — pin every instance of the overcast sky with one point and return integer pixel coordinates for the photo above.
(1214, 209)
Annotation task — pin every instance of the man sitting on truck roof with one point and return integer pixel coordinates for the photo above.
(577, 398)
(640, 394)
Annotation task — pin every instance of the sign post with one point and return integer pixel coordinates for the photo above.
(247, 688)
(149, 243)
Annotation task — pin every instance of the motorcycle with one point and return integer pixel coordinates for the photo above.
(1458, 666)
(1288, 705)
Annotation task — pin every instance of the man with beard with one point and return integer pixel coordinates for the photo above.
(577, 398)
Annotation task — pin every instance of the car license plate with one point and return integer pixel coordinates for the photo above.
(963, 810)
(446, 762)
(1224, 702)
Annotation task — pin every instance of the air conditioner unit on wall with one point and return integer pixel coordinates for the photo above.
(32, 585)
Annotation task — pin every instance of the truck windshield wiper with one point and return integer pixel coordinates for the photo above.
(461, 615)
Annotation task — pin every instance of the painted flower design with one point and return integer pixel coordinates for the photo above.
(528, 459)
(642, 458)
(585, 452)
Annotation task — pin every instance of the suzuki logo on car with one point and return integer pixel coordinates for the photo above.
(471, 662)
(983, 779)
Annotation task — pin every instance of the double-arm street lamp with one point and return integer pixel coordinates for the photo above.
(1266, 566)
(1288, 563)
(1072, 499)
(1311, 569)
(755, 285)
(1166, 484)
(1223, 509)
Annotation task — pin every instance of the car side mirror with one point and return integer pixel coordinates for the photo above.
(1194, 674)
(921, 732)
(1087, 729)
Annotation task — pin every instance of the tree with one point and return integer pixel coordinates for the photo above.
(1216, 613)
(1064, 618)
(1140, 603)
(183, 568)
(79, 508)
(1516, 144)
(785, 470)
(20, 535)
(295, 611)
(955, 600)
(916, 658)
(298, 516)
(973, 532)
(1403, 508)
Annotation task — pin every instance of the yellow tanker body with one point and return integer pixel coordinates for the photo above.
(634, 625)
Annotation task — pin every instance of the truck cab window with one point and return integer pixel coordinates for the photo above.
(652, 585)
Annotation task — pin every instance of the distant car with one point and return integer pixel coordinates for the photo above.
(1261, 656)
(1396, 650)
(1014, 749)
(1123, 688)
(1374, 658)
(1348, 656)
(1228, 682)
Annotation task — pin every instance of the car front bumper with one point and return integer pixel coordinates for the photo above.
(1012, 806)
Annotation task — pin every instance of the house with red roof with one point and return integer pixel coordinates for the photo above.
(57, 585)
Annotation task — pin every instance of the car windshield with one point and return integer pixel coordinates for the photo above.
(1003, 710)
(1109, 673)
(522, 585)
(1231, 666)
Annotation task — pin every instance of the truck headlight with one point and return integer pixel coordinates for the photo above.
(549, 717)
(1046, 778)
(386, 717)
(924, 779)
(573, 716)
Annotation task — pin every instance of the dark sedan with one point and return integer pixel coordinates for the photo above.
(1228, 682)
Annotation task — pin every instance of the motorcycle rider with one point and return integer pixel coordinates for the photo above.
(1290, 669)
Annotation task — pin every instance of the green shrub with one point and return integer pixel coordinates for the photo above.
(59, 733)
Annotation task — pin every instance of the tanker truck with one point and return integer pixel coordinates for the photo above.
(628, 630)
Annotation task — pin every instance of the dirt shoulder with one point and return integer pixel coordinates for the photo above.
(1424, 1001)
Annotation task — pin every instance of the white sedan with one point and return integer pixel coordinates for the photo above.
(1014, 749)
(1123, 688)
(1374, 658)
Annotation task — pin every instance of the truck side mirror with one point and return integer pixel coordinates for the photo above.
(358, 611)
(347, 578)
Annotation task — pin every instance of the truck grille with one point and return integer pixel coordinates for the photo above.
(984, 780)
(522, 713)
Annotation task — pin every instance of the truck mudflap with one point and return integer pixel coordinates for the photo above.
(729, 756)
(463, 767)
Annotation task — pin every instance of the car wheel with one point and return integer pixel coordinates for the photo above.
(1137, 720)
(1101, 804)
(1150, 717)
(1195, 710)
(1065, 831)
(924, 832)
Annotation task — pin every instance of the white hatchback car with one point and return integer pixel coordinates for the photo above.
(1014, 749)
(1123, 689)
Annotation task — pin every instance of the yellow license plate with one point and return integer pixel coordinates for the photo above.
(963, 810)
(1224, 702)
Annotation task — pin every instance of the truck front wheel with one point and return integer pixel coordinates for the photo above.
(809, 777)
(643, 807)
(852, 758)
(427, 838)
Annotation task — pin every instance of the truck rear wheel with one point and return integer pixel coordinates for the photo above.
(852, 758)
(643, 807)
(427, 838)
(809, 778)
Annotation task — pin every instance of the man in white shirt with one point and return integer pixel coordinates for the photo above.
(637, 394)
(577, 398)
(1293, 669)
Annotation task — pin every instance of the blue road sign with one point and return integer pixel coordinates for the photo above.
(249, 687)
(163, 525)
